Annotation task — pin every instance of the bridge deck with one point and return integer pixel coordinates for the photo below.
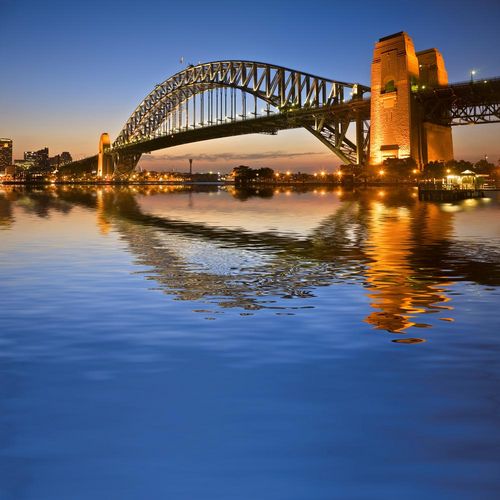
(266, 124)
(463, 103)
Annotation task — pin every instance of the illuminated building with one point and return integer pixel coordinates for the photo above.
(39, 159)
(397, 127)
(24, 164)
(5, 153)
(30, 156)
(10, 170)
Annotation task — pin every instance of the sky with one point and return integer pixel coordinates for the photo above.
(73, 69)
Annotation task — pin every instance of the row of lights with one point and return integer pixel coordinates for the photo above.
(323, 173)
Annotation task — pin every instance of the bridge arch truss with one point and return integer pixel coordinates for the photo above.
(231, 97)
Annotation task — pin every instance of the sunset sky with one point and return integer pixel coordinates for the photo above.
(73, 69)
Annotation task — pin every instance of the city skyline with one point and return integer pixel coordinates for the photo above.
(71, 78)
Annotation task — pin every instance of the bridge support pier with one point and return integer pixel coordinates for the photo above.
(360, 140)
(114, 163)
(125, 163)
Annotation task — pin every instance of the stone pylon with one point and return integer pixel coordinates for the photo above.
(398, 128)
(104, 159)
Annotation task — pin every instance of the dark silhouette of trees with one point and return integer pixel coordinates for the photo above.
(244, 174)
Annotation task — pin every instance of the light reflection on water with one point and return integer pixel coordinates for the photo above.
(401, 251)
(271, 343)
(258, 249)
(273, 250)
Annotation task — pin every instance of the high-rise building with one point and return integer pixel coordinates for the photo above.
(5, 153)
(39, 158)
(30, 156)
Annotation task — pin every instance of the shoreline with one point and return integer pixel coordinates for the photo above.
(204, 183)
(249, 186)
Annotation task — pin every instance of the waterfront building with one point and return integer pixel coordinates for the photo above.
(30, 156)
(10, 170)
(39, 158)
(5, 153)
(24, 164)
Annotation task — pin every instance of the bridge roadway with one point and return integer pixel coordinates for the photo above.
(307, 118)
(462, 103)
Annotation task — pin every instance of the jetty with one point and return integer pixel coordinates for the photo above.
(430, 193)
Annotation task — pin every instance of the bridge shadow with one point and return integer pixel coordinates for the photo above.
(401, 251)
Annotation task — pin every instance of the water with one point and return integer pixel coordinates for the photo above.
(219, 344)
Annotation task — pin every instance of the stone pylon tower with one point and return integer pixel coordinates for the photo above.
(104, 160)
(398, 129)
(436, 140)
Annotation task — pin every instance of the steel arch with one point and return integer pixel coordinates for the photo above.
(283, 88)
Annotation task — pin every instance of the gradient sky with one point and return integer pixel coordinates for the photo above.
(73, 69)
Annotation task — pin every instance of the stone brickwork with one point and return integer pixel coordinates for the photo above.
(397, 127)
(436, 140)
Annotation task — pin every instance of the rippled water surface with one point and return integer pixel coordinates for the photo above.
(209, 343)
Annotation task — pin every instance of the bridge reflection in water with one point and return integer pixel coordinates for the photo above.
(403, 252)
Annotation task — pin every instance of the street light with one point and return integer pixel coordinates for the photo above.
(472, 73)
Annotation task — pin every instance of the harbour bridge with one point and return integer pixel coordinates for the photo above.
(407, 112)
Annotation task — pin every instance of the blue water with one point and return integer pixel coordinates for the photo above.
(217, 345)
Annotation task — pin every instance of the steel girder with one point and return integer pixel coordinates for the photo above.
(331, 129)
(463, 103)
(467, 115)
(285, 89)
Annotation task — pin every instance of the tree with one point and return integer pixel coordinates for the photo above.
(243, 174)
(434, 170)
(265, 173)
(400, 167)
(484, 167)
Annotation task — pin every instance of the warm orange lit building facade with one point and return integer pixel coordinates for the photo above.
(5, 153)
(104, 161)
(398, 129)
